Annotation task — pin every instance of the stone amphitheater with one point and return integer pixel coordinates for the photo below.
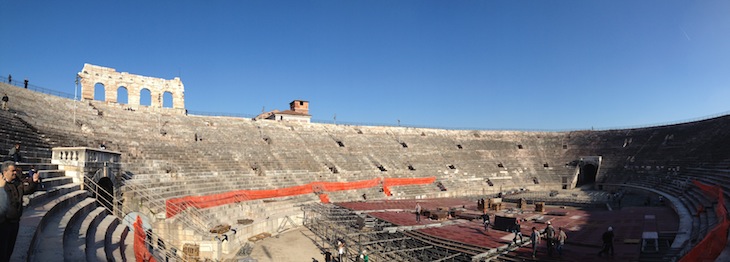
(215, 187)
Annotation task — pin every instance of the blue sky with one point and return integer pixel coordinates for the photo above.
(551, 65)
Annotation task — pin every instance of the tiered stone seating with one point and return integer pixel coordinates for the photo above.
(176, 155)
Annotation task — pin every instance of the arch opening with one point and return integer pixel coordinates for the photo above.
(99, 92)
(145, 97)
(167, 99)
(105, 194)
(587, 174)
(122, 95)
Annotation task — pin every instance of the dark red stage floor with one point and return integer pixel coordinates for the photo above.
(583, 227)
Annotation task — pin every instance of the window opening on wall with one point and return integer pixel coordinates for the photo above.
(404, 144)
(500, 165)
(410, 167)
(519, 146)
(459, 146)
(452, 167)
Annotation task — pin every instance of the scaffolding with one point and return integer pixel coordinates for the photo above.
(381, 240)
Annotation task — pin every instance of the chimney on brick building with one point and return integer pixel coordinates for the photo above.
(299, 106)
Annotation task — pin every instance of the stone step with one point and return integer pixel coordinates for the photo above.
(128, 247)
(103, 244)
(45, 174)
(74, 242)
(88, 232)
(56, 181)
(36, 218)
(119, 236)
(49, 244)
(49, 193)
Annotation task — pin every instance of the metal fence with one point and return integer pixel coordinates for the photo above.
(26, 85)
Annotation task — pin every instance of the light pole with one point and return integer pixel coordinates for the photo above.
(75, 98)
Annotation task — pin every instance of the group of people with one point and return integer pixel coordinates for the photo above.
(12, 188)
(553, 239)
(25, 82)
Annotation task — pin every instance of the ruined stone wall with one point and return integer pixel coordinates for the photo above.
(112, 80)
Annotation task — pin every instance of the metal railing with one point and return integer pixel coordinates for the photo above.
(36, 88)
(189, 216)
(159, 253)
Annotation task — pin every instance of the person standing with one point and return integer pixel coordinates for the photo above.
(607, 243)
(364, 256)
(418, 213)
(549, 233)
(25, 83)
(5, 102)
(517, 230)
(14, 153)
(10, 221)
(340, 251)
(10, 78)
(535, 239)
(561, 240)
(485, 221)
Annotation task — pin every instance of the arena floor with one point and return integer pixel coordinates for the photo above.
(584, 228)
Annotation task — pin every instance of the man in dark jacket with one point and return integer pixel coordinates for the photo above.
(607, 243)
(15, 188)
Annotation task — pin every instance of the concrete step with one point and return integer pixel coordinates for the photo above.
(74, 242)
(45, 174)
(50, 192)
(88, 232)
(48, 245)
(128, 246)
(103, 244)
(56, 181)
(36, 218)
(118, 237)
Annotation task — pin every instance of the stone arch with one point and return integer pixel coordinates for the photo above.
(99, 92)
(135, 84)
(145, 97)
(104, 187)
(167, 99)
(122, 95)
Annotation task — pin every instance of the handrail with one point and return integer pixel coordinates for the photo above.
(36, 88)
(192, 217)
(166, 253)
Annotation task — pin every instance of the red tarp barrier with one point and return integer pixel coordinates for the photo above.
(140, 249)
(177, 205)
(714, 242)
(324, 198)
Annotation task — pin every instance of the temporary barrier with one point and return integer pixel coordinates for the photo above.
(714, 242)
(324, 198)
(177, 205)
(141, 253)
